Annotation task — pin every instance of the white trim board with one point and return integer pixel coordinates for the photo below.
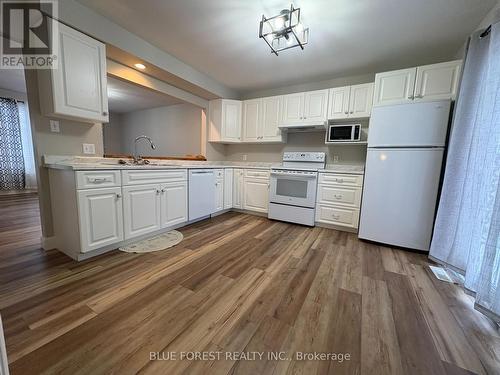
(4, 364)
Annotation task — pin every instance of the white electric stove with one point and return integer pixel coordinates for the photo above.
(292, 195)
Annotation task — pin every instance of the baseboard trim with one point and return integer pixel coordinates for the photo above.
(4, 364)
(49, 243)
(336, 227)
(255, 213)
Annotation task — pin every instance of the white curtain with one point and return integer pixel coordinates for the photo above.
(27, 141)
(467, 230)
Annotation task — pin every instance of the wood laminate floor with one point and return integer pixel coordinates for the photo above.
(237, 283)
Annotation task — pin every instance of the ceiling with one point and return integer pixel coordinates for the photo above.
(126, 97)
(220, 37)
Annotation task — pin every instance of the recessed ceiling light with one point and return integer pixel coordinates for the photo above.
(140, 66)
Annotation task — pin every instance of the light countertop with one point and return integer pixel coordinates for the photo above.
(94, 163)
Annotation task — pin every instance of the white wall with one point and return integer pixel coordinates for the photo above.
(175, 130)
(492, 17)
(316, 85)
(67, 142)
(311, 141)
(112, 140)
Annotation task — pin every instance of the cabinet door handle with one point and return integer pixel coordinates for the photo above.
(162, 191)
(419, 96)
(351, 112)
(346, 112)
(158, 191)
(98, 180)
(105, 113)
(118, 196)
(411, 97)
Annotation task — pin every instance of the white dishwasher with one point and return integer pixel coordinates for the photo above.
(201, 193)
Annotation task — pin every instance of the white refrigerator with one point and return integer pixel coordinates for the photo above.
(403, 168)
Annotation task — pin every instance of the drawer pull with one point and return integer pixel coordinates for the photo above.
(338, 196)
(335, 217)
(340, 180)
(98, 180)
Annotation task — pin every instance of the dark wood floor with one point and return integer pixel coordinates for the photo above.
(237, 283)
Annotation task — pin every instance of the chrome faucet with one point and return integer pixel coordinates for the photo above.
(137, 158)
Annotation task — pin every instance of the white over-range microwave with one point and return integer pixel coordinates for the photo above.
(343, 132)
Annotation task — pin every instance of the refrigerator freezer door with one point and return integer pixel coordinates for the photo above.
(409, 125)
(399, 196)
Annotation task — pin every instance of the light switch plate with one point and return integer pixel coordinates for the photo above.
(54, 126)
(88, 148)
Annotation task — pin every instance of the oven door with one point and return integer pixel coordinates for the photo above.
(297, 189)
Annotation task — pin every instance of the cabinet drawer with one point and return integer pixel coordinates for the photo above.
(135, 177)
(329, 194)
(344, 216)
(341, 179)
(219, 173)
(257, 173)
(97, 179)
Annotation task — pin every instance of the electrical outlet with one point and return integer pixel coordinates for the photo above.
(88, 148)
(335, 158)
(245, 156)
(54, 126)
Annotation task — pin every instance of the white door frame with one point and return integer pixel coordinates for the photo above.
(4, 364)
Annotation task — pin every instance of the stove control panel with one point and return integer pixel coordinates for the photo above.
(318, 157)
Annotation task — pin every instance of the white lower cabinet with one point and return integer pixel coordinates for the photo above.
(96, 211)
(151, 207)
(219, 195)
(337, 216)
(174, 203)
(100, 217)
(339, 199)
(256, 191)
(238, 188)
(228, 188)
(141, 209)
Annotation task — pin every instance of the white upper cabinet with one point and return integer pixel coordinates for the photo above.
(293, 108)
(252, 121)
(350, 101)
(231, 123)
(305, 107)
(271, 115)
(77, 89)
(437, 81)
(395, 87)
(316, 103)
(338, 105)
(261, 118)
(225, 121)
(361, 100)
(428, 82)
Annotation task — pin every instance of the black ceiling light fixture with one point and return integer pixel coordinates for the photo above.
(284, 31)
